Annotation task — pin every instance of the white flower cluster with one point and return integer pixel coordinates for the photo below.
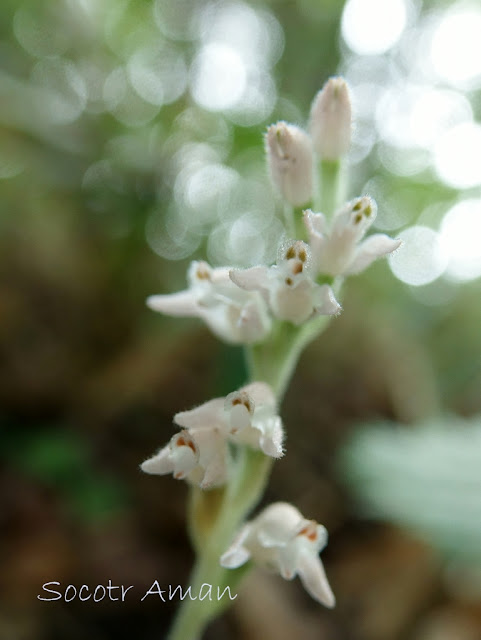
(200, 452)
(240, 306)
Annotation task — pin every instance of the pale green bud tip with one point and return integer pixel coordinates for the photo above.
(330, 120)
(289, 156)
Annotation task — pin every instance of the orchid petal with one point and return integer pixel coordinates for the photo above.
(253, 279)
(376, 246)
(271, 442)
(181, 304)
(326, 304)
(313, 577)
(237, 554)
(254, 322)
(261, 393)
(206, 416)
(161, 463)
(316, 223)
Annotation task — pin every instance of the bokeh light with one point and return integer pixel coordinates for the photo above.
(456, 45)
(64, 89)
(457, 156)
(421, 258)
(231, 70)
(373, 26)
(219, 77)
(460, 235)
(159, 75)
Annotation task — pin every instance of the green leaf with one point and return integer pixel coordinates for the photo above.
(426, 478)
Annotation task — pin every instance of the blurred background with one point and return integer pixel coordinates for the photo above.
(131, 143)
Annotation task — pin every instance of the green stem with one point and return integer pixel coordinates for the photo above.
(300, 228)
(289, 220)
(243, 492)
(275, 359)
(332, 186)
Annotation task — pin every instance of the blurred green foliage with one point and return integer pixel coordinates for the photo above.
(426, 478)
(61, 461)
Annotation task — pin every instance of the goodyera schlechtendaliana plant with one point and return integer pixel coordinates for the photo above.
(225, 448)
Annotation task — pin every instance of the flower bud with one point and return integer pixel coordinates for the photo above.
(289, 155)
(330, 120)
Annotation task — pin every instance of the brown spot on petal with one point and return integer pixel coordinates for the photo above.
(186, 442)
(202, 273)
(302, 255)
(358, 218)
(297, 268)
(242, 398)
(357, 206)
(309, 531)
(290, 253)
(288, 281)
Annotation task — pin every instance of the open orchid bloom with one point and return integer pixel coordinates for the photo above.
(233, 314)
(339, 249)
(282, 540)
(198, 456)
(247, 416)
(288, 287)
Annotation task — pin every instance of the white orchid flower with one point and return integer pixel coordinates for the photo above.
(200, 453)
(247, 416)
(199, 456)
(288, 287)
(290, 160)
(282, 540)
(339, 249)
(235, 315)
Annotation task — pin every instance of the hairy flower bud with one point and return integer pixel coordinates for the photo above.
(289, 155)
(330, 120)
